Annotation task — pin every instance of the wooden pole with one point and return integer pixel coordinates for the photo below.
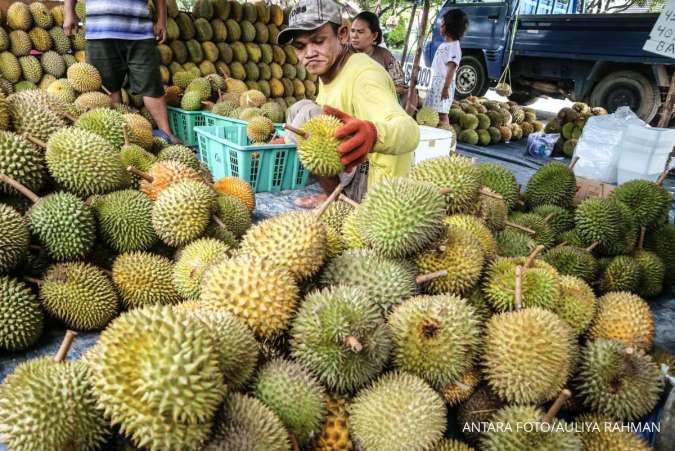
(668, 105)
(409, 107)
(407, 34)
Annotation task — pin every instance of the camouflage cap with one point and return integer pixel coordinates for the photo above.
(308, 15)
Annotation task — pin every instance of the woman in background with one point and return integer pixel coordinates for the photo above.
(366, 37)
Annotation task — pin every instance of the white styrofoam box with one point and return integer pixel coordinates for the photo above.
(434, 142)
(643, 152)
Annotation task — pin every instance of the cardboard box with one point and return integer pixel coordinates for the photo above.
(591, 188)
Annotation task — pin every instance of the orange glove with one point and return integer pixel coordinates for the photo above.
(362, 138)
(278, 141)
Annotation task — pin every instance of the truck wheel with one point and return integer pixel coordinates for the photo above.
(471, 78)
(627, 88)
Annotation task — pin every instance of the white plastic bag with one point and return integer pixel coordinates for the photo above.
(540, 145)
(599, 145)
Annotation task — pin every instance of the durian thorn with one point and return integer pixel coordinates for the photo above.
(643, 231)
(218, 222)
(336, 192)
(294, 441)
(38, 142)
(145, 176)
(537, 250)
(65, 346)
(592, 246)
(32, 280)
(353, 343)
(548, 217)
(19, 187)
(349, 200)
(519, 288)
(105, 90)
(662, 177)
(487, 193)
(564, 395)
(430, 276)
(125, 133)
(301, 133)
(445, 191)
(519, 227)
(573, 162)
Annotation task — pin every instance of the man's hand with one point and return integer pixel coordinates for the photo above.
(362, 138)
(445, 93)
(70, 22)
(160, 32)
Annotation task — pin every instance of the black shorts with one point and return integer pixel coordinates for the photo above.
(115, 58)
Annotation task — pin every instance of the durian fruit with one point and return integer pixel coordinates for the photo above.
(125, 221)
(233, 214)
(554, 184)
(387, 281)
(600, 220)
(19, 16)
(618, 381)
(540, 284)
(335, 433)
(528, 355)
(435, 338)
(457, 175)
(448, 444)
(333, 218)
(662, 242)
(479, 408)
(10, 68)
(259, 130)
(543, 232)
(14, 239)
(251, 98)
(621, 273)
(32, 398)
(140, 129)
(31, 69)
(339, 334)
(380, 216)
(144, 279)
(577, 303)
(652, 272)
(60, 42)
(40, 122)
(559, 219)
(53, 64)
(523, 427)
(22, 317)
(237, 187)
(179, 153)
(295, 241)
(62, 90)
(474, 226)
(84, 77)
(163, 174)
(92, 100)
(462, 388)
(608, 435)
(253, 289)
(294, 395)
(398, 411)
(182, 212)
(80, 295)
(351, 235)
(649, 202)
(573, 261)
(427, 116)
(139, 158)
(193, 261)
(318, 148)
(492, 211)
(84, 163)
(145, 354)
(459, 253)
(623, 317)
(245, 423)
(234, 341)
(513, 243)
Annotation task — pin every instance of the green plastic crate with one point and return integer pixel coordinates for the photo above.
(267, 167)
(216, 120)
(183, 124)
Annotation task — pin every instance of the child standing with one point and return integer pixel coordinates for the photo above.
(446, 61)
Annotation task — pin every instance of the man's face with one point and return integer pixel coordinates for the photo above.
(318, 50)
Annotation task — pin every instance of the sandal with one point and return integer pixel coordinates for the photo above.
(170, 139)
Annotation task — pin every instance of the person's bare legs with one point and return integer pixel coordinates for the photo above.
(328, 184)
(157, 108)
(443, 119)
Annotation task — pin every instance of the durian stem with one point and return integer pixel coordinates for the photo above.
(519, 288)
(430, 276)
(336, 192)
(592, 246)
(70, 117)
(65, 346)
(105, 90)
(207, 104)
(301, 133)
(353, 343)
(218, 222)
(141, 174)
(557, 405)
(36, 141)
(220, 95)
(125, 133)
(629, 350)
(487, 193)
(349, 200)
(19, 187)
(107, 272)
(573, 162)
(35, 247)
(662, 177)
(519, 227)
(564, 243)
(548, 217)
(445, 191)
(537, 250)
(643, 231)
(32, 280)
(294, 441)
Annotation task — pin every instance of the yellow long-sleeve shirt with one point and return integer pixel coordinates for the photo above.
(363, 89)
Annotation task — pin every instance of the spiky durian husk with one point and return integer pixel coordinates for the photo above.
(559, 219)
(253, 289)
(351, 234)
(235, 186)
(528, 355)
(448, 444)
(493, 212)
(662, 243)
(460, 390)
(624, 317)
(107, 123)
(577, 303)
(144, 279)
(22, 315)
(125, 220)
(513, 243)
(622, 273)
(652, 272)
(573, 261)
(318, 152)
(146, 353)
(260, 130)
(598, 220)
(607, 435)
(648, 201)
(233, 213)
(84, 77)
(435, 337)
(398, 411)
(180, 153)
(14, 239)
(617, 381)
(544, 234)
(427, 116)
(22, 161)
(324, 335)
(192, 263)
(335, 433)
(480, 407)
(500, 180)
(165, 174)
(477, 228)
(455, 172)
(554, 184)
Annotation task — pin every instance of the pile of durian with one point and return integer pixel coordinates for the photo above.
(446, 296)
(570, 123)
(479, 121)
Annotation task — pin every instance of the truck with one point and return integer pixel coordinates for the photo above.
(553, 49)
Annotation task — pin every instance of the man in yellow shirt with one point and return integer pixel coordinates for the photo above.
(357, 90)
